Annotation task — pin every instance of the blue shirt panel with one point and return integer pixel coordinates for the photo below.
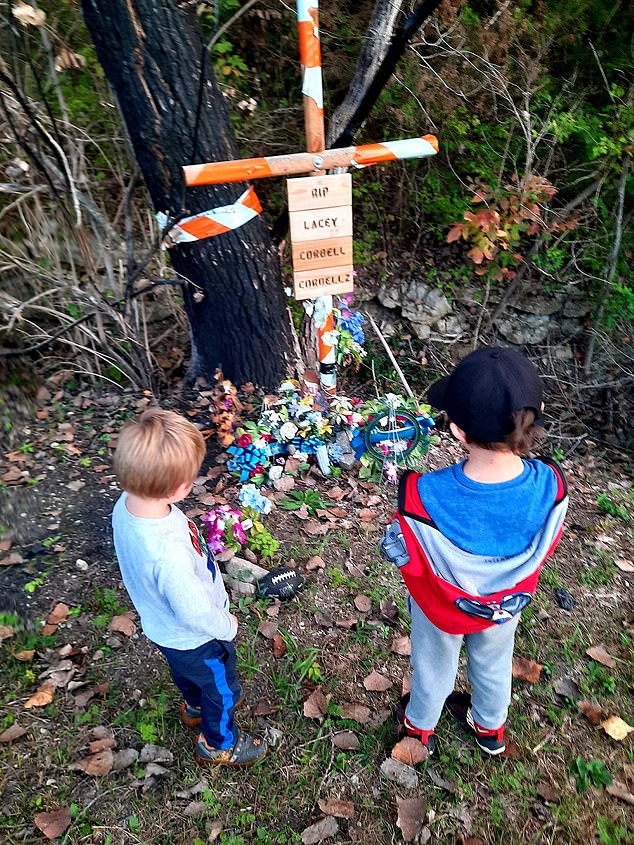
(489, 519)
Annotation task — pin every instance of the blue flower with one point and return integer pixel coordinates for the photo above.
(251, 497)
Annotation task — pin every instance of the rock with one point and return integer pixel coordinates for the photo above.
(423, 305)
(524, 329)
(124, 758)
(576, 307)
(570, 327)
(389, 296)
(348, 459)
(240, 588)
(243, 570)
(420, 303)
(153, 774)
(195, 809)
(536, 304)
(82, 565)
(564, 353)
(400, 773)
(449, 326)
(564, 599)
(273, 736)
(155, 754)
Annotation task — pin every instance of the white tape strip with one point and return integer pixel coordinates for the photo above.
(410, 148)
(303, 7)
(312, 85)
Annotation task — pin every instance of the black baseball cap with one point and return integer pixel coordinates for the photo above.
(486, 389)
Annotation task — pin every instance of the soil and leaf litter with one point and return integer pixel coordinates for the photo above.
(92, 746)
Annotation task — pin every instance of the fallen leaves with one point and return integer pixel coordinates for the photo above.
(567, 688)
(363, 603)
(375, 682)
(337, 807)
(265, 708)
(315, 562)
(12, 559)
(96, 765)
(356, 713)
(53, 824)
(24, 656)
(6, 632)
(600, 654)
(410, 751)
(346, 741)
(316, 705)
(615, 727)
(410, 817)
(123, 624)
(624, 565)
(267, 629)
(55, 618)
(620, 790)
(279, 646)
(323, 829)
(549, 793)
(44, 695)
(12, 733)
(401, 645)
(526, 670)
(591, 710)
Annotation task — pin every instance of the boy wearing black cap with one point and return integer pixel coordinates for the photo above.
(471, 540)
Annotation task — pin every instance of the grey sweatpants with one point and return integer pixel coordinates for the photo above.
(435, 665)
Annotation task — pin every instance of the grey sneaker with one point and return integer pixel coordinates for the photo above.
(246, 751)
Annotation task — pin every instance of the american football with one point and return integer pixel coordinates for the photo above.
(281, 583)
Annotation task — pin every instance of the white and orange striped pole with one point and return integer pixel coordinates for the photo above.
(293, 164)
(312, 89)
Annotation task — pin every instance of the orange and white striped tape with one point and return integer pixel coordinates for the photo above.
(294, 163)
(217, 221)
(310, 51)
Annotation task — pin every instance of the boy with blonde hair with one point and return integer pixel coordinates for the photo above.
(174, 583)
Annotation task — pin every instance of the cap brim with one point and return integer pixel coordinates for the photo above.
(437, 393)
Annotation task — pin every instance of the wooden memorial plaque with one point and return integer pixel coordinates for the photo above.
(320, 212)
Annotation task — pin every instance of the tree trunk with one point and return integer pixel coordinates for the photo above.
(151, 52)
(374, 47)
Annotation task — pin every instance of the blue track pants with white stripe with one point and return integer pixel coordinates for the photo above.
(207, 678)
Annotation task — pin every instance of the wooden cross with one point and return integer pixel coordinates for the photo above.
(320, 208)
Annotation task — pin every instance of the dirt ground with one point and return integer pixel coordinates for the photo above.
(563, 780)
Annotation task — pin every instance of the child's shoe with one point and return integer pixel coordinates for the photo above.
(246, 751)
(490, 741)
(405, 727)
(191, 716)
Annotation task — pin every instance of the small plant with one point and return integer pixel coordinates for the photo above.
(297, 498)
(505, 216)
(610, 833)
(590, 772)
(31, 586)
(609, 506)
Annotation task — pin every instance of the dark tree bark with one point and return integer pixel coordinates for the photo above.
(374, 47)
(151, 52)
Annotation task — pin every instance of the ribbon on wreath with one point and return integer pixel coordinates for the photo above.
(246, 459)
(308, 446)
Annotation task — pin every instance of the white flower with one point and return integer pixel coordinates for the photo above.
(276, 473)
(288, 431)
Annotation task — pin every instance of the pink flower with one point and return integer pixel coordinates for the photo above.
(238, 533)
(244, 440)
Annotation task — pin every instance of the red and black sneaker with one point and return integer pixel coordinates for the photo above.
(490, 741)
(406, 728)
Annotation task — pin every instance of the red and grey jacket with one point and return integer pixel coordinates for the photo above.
(441, 577)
